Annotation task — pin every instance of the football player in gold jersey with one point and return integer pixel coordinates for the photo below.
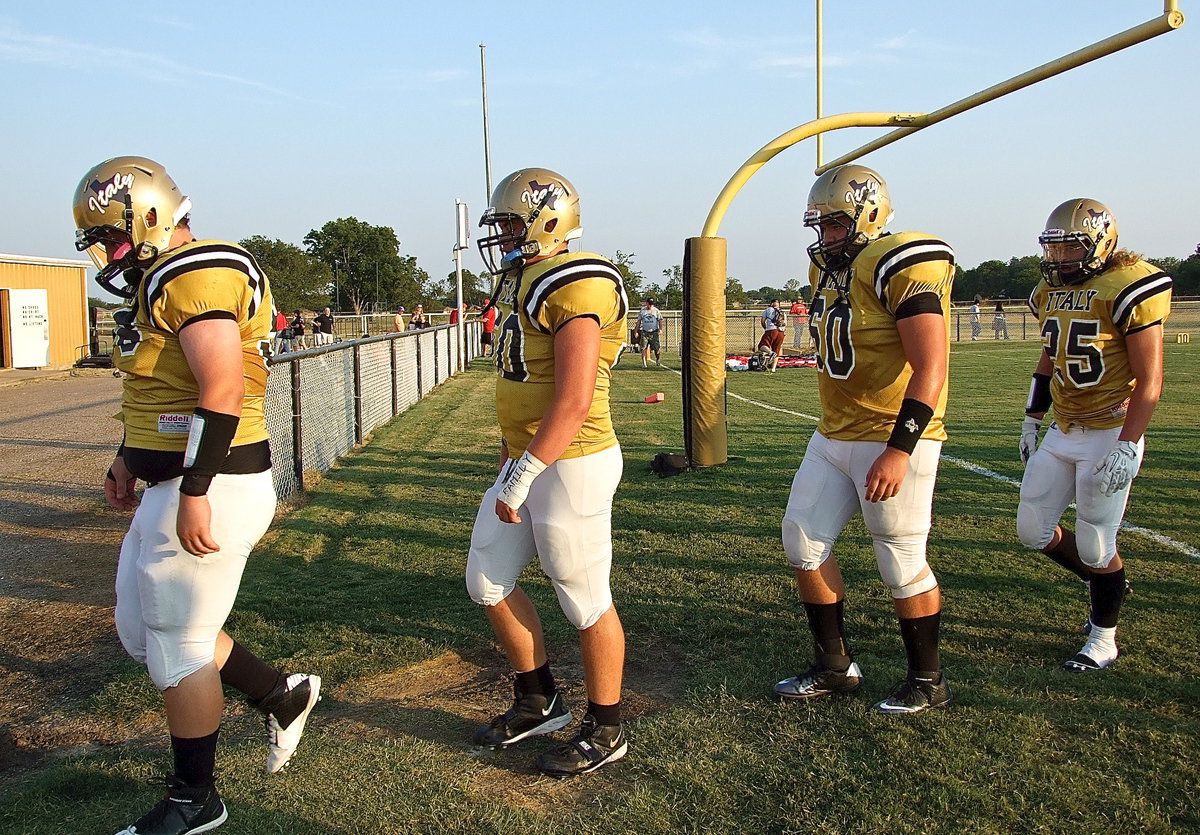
(879, 323)
(190, 346)
(1101, 312)
(560, 328)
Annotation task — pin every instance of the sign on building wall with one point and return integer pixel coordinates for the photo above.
(29, 325)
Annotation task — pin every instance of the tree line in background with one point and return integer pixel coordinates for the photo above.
(352, 266)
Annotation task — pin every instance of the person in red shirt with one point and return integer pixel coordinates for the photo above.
(488, 316)
(799, 311)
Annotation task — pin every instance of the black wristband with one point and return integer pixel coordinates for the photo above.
(910, 425)
(1039, 395)
(208, 443)
(195, 484)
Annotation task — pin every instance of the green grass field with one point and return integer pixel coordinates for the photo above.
(363, 584)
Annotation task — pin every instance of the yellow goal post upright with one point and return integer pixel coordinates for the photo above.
(705, 424)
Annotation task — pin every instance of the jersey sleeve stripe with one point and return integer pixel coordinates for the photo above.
(560, 276)
(1032, 304)
(207, 256)
(906, 255)
(1136, 293)
(210, 314)
(918, 304)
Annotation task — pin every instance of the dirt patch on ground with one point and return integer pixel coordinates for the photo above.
(445, 699)
(59, 650)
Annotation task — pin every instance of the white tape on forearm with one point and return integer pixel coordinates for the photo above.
(520, 478)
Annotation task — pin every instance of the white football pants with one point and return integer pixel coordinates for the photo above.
(566, 522)
(1062, 469)
(171, 605)
(830, 487)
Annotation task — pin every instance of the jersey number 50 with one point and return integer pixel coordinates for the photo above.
(830, 329)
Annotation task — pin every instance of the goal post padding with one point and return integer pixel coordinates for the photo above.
(705, 414)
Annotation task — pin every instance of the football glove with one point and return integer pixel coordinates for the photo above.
(515, 488)
(1029, 438)
(1118, 468)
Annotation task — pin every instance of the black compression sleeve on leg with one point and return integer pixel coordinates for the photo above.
(1107, 592)
(827, 623)
(248, 674)
(195, 758)
(208, 443)
(921, 641)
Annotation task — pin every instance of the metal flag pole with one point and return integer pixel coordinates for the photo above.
(462, 234)
(487, 139)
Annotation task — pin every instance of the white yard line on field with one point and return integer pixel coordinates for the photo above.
(1161, 539)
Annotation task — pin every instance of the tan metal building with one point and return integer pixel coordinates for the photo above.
(64, 314)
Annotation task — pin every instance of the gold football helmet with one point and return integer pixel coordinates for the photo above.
(126, 210)
(854, 198)
(533, 212)
(1080, 237)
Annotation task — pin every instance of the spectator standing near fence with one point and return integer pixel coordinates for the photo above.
(799, 313)
(418, 319)
(323, 327)
(487, 335)
(398, 321)
(195, 432)
(773, 324)
(999, 322)
(562, 320)
(283, 335)
(649, 328)
(299, 340)
(976, 325)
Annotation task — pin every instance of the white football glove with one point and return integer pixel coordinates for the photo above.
(515, 488)
(1029, 437)
(1118, 468)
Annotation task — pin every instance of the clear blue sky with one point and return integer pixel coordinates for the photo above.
(277, 117)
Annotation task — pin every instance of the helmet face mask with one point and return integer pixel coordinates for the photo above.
(126, 210)
(849, 207)
(1079, 237)
(534, 213)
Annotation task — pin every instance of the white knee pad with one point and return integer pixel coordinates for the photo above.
(482, 589)
(915, 587)
(902, 565)
(1034, 528)
(170, 658)
(1097, 546)
(803, 552)
(583, 613)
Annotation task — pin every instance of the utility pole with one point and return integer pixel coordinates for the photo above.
(461, 236)
(487, 140)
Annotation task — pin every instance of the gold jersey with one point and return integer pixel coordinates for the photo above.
(861, 365)
(534, 303)
(199, 280)
(1083, 329)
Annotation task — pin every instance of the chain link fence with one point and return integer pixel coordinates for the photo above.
(742, 328)
(322, 402)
